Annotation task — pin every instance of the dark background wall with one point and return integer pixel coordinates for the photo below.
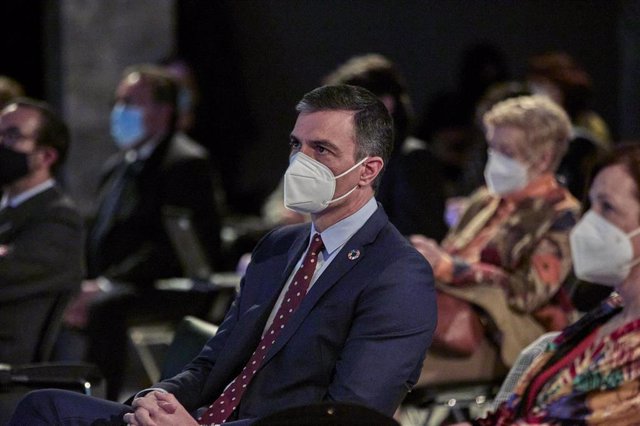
(21, 43)
(278, 50)
(256, 58)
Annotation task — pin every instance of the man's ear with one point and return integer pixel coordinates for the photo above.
(49, 156)
(389, 102)
(372, 168)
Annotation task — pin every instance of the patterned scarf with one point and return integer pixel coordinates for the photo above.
(597, 382)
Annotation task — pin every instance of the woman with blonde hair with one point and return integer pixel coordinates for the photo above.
(508, 255)
(590, 373)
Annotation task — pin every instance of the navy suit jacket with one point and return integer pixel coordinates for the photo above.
(359, 336)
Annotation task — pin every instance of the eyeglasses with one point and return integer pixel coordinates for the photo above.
(11, 136)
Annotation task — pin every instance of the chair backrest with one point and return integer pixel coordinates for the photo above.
(190, 336)
(51, 328)
(29, 327)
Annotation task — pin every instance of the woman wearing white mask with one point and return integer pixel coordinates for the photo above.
(590, 373)
(509, 253)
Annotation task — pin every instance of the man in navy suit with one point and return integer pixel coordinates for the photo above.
(360, 332)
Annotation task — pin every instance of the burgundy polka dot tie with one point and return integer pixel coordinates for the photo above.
(221, 409)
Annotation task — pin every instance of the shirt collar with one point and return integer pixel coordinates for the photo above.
(339, 233)
(24, 196)
(145, 151)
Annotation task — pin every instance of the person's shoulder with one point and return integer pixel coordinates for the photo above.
(53, 205)
(183, 146)
(394, 248)
(281, 238)
(393, 267)
(64, 204)
(563, 201)
(413, 145)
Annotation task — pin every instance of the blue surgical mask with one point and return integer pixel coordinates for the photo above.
(127, 125)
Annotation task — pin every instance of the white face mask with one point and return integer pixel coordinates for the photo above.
(601, 252)
(503, 174)
(309, 185)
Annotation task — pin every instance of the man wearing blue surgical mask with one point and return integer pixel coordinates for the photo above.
(128, 249)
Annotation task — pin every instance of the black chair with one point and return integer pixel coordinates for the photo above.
(37, 371)
(31, 327)
(50, 331)
(17, 380)
(190, 336)
(449, 402)
(327, 414)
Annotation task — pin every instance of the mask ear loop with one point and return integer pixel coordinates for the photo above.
(352, 189)
(358, 164)
(630, 235)
(634, 233)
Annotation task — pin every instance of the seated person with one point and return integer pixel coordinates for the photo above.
(412, 166)
(128, 248)
(589, 374)
(509, 253)
(559, 76)
(41, 235)
(524, 360)
(355, 329)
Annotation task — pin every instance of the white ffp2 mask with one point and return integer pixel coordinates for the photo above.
(309, 185)
(602, 253)
(503, 174)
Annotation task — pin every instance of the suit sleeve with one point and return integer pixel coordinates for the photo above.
(391, 331)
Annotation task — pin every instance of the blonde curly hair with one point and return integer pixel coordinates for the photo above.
(545, 124)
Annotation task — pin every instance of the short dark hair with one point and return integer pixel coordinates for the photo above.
(163, 85)
(372, 123)
(626, 155)
(380, 76)
(52, 131)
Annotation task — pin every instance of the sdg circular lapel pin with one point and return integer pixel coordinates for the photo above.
(353, 254)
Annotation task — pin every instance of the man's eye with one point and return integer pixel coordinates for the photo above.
(321, 149)
(606, 206)
(294, 144)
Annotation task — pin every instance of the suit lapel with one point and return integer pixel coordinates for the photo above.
(340, 265)
(293, 255)
(254, 319)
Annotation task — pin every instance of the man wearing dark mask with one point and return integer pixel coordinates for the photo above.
(41, 238)
(128, 247)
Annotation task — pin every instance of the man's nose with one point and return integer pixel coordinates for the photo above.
(306, 150)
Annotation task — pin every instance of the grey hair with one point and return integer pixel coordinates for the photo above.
(372, 123)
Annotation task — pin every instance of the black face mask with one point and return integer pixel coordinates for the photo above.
(13, 165)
